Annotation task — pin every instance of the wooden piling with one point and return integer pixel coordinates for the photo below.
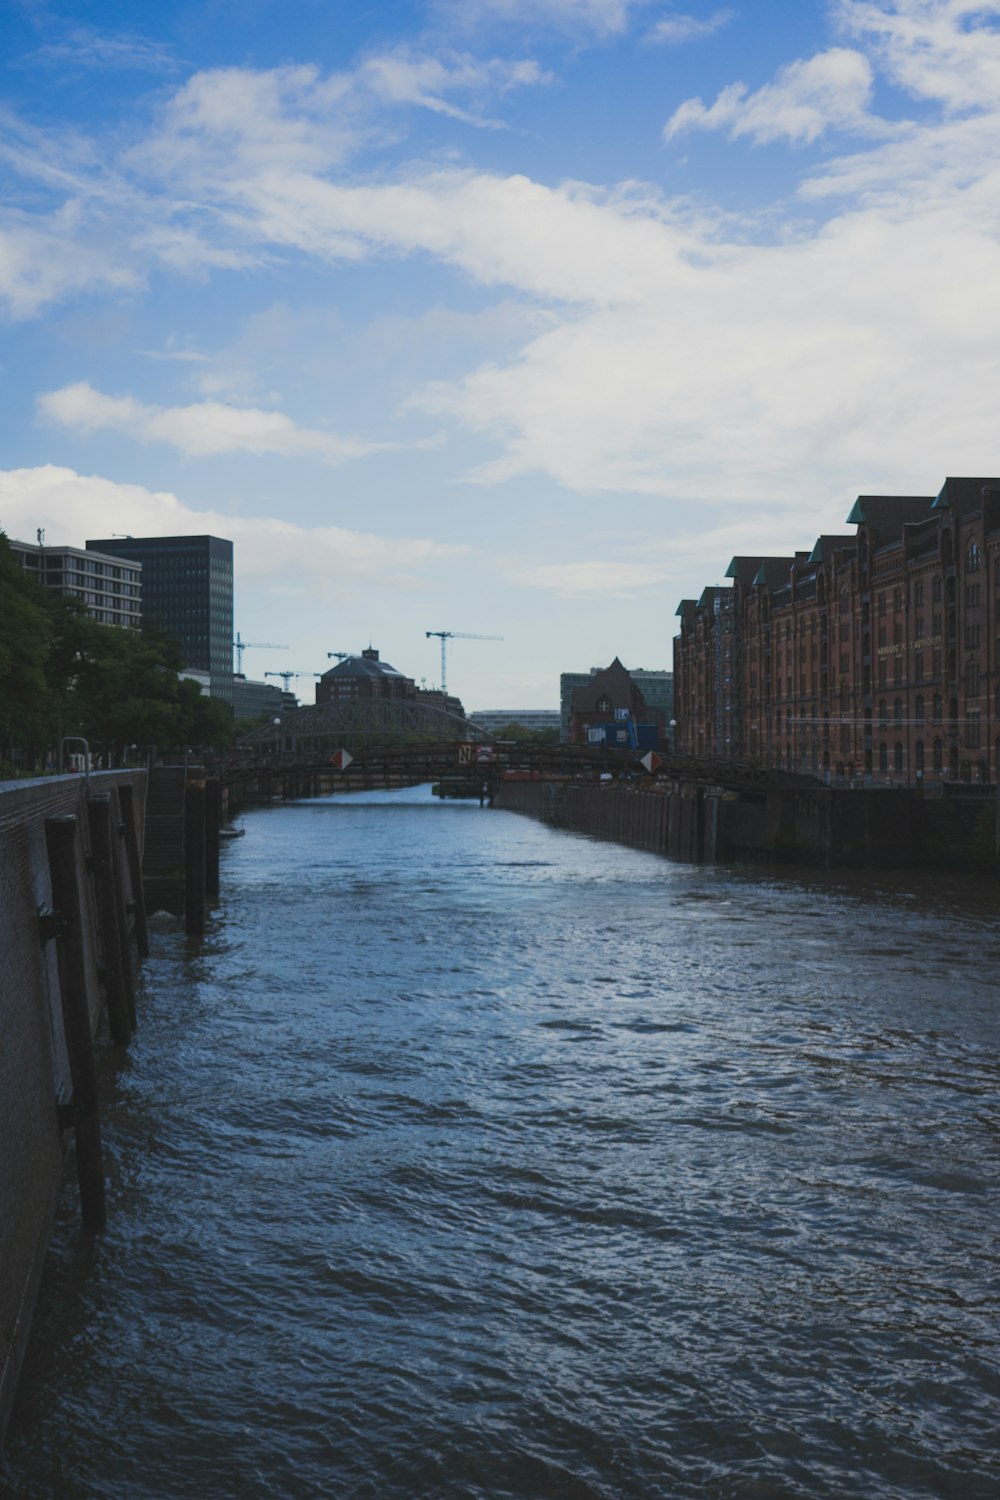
(194, 858)
(213, 822)
(61, 846)
(115, 986)
(126, 804)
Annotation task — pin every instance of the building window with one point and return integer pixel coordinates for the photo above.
(938, 756)
(971, 595)
(881, 672)
(603, 705)
(918, 666)
(919, 749)
(972, 558)
(897, 670)
(971, 637)
(883, 756)
(919, 708)
(897, 711)
(918, 593)
(972, 728)
(936, 591)
(882, 719)
(897, 756)
(972, 679)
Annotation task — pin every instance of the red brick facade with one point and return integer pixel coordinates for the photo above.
(876, 656)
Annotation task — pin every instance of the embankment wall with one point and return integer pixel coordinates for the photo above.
(887, 827)
(36, 1061)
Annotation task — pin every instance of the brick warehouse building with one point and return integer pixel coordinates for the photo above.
(876, 655)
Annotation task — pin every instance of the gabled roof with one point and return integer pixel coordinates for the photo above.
(889, 512)
(963, 495)
(744, 570)
(826, 546)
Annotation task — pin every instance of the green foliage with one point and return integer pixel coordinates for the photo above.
(62, 673)
(25, 643)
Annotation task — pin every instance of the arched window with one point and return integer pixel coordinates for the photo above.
(938, 755)
(882, 714)
(897, 710)
(919, 749)
(938, 706)
(919, 708)
(897, 756)
(883, 756)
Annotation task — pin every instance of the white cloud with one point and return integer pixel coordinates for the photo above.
(673, 30)
(945, 50)
(72, 507)
(670, 352)
(831, 90)
(83, 47)
(405, 77)
(204, 429)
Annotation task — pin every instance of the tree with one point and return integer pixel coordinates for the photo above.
(25, 642)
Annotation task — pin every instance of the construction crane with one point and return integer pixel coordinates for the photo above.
(242, 645)
(455, 635)
(286, 677)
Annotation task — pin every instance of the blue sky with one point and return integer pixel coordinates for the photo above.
(511, 318)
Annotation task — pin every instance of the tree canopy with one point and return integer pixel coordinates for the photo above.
(62, 673)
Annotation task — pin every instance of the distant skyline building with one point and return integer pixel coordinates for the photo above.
(494, 720)
(364, 676)
(657, 687)
(110, 587)
(255, 699)
(187, 587)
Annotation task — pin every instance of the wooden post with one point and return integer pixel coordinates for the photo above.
(116, 993)
(213, 822)
(194, 858)
(126, 803)
(61, 844)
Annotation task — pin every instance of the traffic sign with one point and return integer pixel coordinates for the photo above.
(341, 759)
(652, 761)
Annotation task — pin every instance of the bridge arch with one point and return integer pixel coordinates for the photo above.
(361, 723)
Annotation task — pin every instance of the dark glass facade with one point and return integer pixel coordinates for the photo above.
(187, 586)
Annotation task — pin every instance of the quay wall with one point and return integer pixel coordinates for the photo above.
(873, 826)
(44, 958)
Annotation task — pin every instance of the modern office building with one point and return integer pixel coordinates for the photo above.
(109, 587)
(187, 586)
(256, 700)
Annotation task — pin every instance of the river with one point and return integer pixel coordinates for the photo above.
(467, 1159)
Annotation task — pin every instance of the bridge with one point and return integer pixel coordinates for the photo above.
(401, 742)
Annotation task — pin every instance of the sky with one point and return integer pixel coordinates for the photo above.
(514, 318)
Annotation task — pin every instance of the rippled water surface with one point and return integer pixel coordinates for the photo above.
(466, 1158)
